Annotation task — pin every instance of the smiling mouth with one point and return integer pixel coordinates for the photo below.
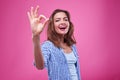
(62, 27)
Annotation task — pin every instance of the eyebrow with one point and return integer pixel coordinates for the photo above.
(60, 18)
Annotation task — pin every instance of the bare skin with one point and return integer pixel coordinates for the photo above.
(37, 27)
(61, 20)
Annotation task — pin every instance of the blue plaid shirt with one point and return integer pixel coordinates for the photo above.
(56, 63)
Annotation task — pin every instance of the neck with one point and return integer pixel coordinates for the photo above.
(62, 43)
(61, 38)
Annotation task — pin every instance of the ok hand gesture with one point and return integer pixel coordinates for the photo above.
(36, 21)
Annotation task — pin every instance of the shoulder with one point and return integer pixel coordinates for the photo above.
(47, 44)
(74, 46)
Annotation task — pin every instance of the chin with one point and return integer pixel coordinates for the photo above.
(62, 33)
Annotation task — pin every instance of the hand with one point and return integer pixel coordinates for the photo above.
(35, 21)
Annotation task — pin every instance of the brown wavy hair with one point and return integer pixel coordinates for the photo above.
(54, 37)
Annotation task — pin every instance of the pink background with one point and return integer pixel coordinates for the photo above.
(97, 26)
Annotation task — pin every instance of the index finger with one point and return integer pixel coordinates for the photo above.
(42, 17)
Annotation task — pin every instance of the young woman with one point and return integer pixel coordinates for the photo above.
(58, 54)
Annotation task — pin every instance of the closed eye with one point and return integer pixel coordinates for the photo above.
(57, 20)
(66, 19)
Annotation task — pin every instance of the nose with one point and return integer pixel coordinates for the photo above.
(63, 22)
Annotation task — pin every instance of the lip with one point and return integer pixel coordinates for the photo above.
(62, 26)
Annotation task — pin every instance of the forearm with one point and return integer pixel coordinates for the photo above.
(39, 61)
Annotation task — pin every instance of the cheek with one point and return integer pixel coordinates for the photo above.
(68, 25)
(55, 24)
(56, 27)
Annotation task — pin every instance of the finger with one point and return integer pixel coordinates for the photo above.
(46, 21)
(29, 16)
(36, 11)
(32, 11)
(42, 17)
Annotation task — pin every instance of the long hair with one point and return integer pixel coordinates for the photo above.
(54, 37)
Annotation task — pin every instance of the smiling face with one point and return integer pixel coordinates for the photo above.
(60, 26)
(61, 23)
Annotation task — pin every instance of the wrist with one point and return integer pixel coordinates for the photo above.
(35, 36)
(35, 39)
